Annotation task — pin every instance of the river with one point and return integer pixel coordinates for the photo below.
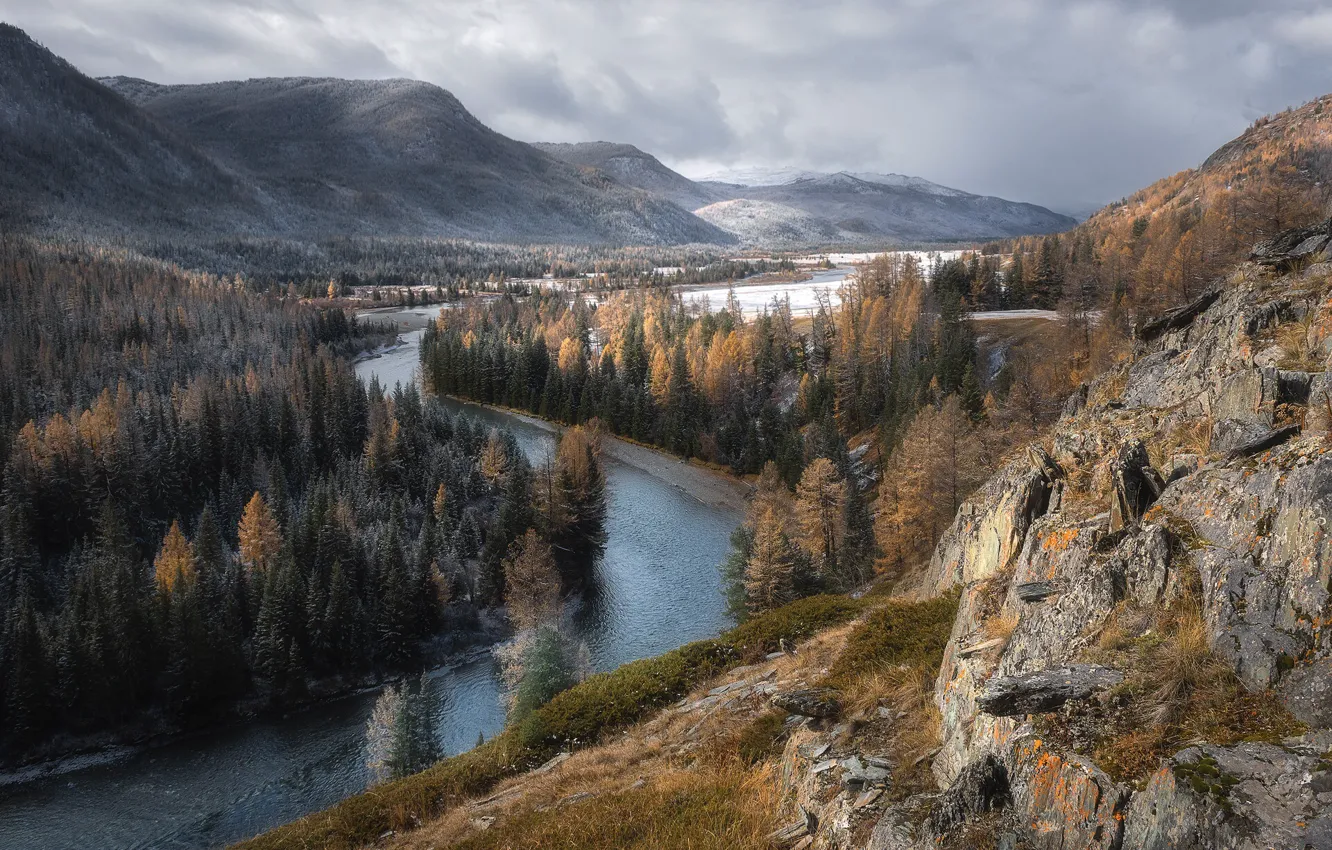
(656, 587)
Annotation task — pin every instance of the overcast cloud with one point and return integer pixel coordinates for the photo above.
(1063, 103)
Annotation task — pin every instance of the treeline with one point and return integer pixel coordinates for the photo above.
(201, 503)
(400, 262)
(767, 394)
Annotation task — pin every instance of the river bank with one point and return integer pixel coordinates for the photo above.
(703, 482)
(70, 753)
(655, 587)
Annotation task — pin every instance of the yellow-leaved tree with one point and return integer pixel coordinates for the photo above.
(174, 565)
(820, 510)
(770, 573)
(260, 536)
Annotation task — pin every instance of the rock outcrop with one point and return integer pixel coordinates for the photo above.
(1196, 478)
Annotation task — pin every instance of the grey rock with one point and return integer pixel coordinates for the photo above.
(1262, 443)
(1061, 801)
(1180, 466)
(1045, 691)
(1136, 485)
(809, 702)
(1251, 796)
(1293, 246)
(982, 786)
(1035, 591)
(1180, 317)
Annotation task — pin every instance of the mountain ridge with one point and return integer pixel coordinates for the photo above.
(796, 208)
(297, 158)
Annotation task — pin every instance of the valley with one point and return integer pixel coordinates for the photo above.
(375, 473)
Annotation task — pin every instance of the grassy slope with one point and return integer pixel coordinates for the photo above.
(580, 716)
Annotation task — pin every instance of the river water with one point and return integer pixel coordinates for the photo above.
(657, 587)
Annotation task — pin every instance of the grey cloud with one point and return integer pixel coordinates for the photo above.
(1058, 101)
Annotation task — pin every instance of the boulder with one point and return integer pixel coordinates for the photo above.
(1136, 485)
(982, 786)
(1289, 249)
(1263, 442)
(989, 528)
(1180, 317)
(809, 702)
(1252, 796)
(1061, 801)
(1045, 691)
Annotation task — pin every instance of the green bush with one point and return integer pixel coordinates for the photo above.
(576, 717)
(897, 633)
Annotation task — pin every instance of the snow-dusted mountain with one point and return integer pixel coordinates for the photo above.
(305, 158)
(290, 158)
(793, 207)
(785, 176)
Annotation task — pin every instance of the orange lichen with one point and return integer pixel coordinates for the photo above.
(1060, 540)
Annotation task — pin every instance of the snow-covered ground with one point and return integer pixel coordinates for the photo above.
(753, 299)
(1002, 315)
(925, 258)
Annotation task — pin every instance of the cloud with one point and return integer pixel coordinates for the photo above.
(1059, 101)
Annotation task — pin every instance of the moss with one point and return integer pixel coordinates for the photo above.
(1206, 779)
(578, 716)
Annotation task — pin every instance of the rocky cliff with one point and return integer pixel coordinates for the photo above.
(1141, 656)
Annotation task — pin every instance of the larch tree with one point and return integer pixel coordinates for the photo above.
(532, 582)
(174, 564)
(260, 536)
(494, 460)
(770, 573)
(820, 510)
(939, 464)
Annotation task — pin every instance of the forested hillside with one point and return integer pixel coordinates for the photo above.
(1165, 244)
(202, 504)
(895, 371)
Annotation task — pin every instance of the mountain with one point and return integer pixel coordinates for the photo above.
(295, 158)
(769, 224)
(796, 208)
(403, 157)
(867, 208)
(757, 175)
(893, 207)
(634, 167)
(79, 156)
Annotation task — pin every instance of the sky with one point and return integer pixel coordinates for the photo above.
(1069, 103)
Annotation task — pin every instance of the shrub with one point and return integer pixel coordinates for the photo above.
(899, 633)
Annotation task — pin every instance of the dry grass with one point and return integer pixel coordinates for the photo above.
(1176, 691)
(728, 808)
(1001, 628)
(1110, 387)
(1191, 437)
(623, 776)
(1298, 342)
(891, 659)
